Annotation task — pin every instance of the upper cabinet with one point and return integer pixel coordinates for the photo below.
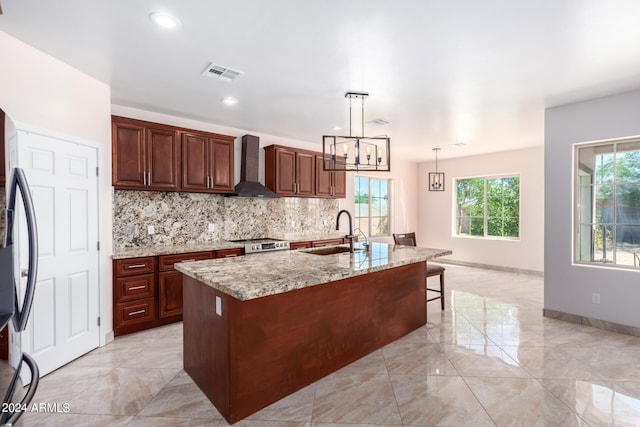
(152, 156)
(329, 183)
(146, 156)
(289, 172)
(207, 162)
(295, 172)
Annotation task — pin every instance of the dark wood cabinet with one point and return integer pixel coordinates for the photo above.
(207, 163)
(146, 155)
(326, 242)
(170, 283)
(4, 343)
(170, 294)
(330, 184)
(296, 172)
(290, 172)
(147, 291)
(299, 245)
(229, 253)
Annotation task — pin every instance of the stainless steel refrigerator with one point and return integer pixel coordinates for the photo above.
(16, 399)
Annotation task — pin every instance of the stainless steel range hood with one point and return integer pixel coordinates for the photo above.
(249, 186)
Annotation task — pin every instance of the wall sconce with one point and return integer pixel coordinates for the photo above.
(436, 179)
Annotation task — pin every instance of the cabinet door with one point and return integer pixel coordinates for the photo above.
(221, 166)
(285, 172)
(340, 184)
(305, 174)
(163, 157)
(195, 176)
(169, 294)
(324, 180)
(4, 343)
(128, 151)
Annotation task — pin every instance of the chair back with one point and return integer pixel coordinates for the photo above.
(407, 239)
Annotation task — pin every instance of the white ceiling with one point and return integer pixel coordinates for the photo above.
(443, 72)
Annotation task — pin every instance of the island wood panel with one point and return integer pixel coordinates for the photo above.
(264, 349)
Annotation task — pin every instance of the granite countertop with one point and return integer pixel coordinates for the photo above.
(173, 249)
(259, 275)
(212, 246)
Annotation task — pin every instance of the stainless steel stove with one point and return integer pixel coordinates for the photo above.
(254, 246)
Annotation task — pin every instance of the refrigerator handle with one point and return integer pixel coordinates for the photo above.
(11, 417)
(20, 320)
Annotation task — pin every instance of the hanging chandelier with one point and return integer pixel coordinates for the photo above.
(436, 179)
(356, 153)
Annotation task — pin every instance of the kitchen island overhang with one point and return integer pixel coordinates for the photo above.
(247, 345)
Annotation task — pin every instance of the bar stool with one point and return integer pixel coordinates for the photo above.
(409, 239)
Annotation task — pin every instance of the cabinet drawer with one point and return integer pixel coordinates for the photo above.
(129, 266)
(166, 262)
(327, 242)
(135, 312)
(135, 287)
(228, 253)
(299, 245)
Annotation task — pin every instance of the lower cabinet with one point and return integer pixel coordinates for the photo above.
(326, 242)
(147, 291)
(4, 343)
(170, 294)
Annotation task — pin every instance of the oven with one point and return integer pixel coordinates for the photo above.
(262, 245)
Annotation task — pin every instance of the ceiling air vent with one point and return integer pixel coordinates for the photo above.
(379, 122)
(222, 73)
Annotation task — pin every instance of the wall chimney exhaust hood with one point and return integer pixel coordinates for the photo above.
(249, 186)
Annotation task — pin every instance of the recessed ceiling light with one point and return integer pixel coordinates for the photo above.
(229, 100)
(337, 128)
(164, 20)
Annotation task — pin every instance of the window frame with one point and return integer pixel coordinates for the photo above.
(485, 235)
(369, 218)
(576, 206)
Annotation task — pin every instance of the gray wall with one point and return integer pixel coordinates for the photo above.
(567, 287)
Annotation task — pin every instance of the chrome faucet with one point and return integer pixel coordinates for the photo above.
(350, 235)
(366, 241)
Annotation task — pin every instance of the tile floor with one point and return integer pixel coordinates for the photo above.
(490, 359)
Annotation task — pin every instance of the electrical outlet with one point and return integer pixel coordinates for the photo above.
(595, 298)
(293, 223)
(151, 230)
(211, 228)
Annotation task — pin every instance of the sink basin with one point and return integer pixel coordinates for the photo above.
(331, 250)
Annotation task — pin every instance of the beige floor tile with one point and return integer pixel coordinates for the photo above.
(483, 361)
(72, 420)
(522, 402)
(408, 358)
(124, 391)
(142, 421)
(295, 407)
(356, 398)
(181, 398)
(437, 401)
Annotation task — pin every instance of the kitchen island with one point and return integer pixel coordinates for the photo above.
(257, 328)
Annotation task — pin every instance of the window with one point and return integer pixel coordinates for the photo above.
(607, 204)
(372, 206)
(488, 207)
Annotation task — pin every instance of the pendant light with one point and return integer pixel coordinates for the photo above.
(436, 179)
(356, 153)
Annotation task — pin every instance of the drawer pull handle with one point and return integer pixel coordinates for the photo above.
(137, 266)
(137, 287)
(187, 260)
(137, 312)
(230, 255)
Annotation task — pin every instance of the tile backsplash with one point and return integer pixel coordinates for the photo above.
(184, 218)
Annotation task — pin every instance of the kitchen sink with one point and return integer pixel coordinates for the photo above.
(330, 250)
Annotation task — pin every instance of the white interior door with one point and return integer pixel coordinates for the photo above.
(63, 323)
